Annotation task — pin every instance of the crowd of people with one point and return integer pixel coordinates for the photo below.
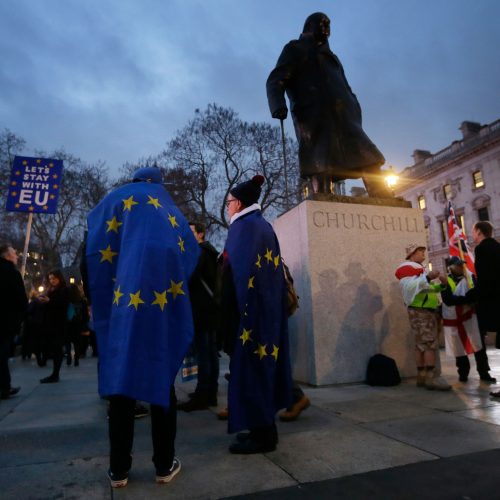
(466, 304)
(51, 323)
(157, 291)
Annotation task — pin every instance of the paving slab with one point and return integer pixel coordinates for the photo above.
(375, 408)
(443, 435)
(466, 477)
(69, 479)
(341, 450)
(211, 473)
(489, 414)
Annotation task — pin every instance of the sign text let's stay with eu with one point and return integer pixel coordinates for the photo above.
(34, 185)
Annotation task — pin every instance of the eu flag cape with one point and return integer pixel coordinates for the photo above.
(140, 254)
(260, 382)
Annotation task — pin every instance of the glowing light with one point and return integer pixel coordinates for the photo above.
(391, 180)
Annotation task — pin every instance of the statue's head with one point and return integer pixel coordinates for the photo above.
(318, 25)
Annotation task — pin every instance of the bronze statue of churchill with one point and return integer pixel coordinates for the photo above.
(325, 111)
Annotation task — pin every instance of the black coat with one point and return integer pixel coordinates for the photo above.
(55, 313)
(487, 262)
(326, 113)
(13, 300)
(203, 302)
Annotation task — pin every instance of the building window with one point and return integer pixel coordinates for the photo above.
(421, 202)
(477, 177)
(447, 191)
(483, 214)
(444, 232)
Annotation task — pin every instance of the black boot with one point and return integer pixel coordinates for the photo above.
(197, 402)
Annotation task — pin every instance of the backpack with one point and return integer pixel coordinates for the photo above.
(291, 295)
(382, 370)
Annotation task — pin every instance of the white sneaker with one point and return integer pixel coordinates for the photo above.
(165, 476)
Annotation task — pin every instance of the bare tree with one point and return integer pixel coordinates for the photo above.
(216, 151)
(59, 235)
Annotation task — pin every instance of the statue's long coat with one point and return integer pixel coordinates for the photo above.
(326, 113)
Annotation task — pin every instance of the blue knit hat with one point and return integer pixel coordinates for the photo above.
(148, 174)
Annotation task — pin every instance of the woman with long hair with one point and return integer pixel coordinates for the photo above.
(55, 303)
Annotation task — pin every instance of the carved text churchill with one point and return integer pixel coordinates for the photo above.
(365, 222)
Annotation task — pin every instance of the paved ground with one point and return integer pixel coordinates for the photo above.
(354, 442)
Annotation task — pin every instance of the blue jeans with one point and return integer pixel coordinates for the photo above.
(208, 363)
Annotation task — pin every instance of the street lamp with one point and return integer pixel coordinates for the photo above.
(391, 178)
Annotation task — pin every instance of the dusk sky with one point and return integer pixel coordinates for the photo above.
(114, 79)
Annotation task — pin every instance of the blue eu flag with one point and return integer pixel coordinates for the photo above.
(140, 255)
(260, 382)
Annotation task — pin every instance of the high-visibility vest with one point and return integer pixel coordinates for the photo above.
(429, 299)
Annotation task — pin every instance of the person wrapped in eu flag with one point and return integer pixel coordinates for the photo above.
(254, 323)
(140, 253)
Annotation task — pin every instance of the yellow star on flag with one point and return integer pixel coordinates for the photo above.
(25, 162)
(13, 183)
(269, 255)
(129, 203)
(160, 300)
(52, 196)
(258, 264)
(31, 209)
(55, 176)
(154, 201)
(275, 352)
(39, 161)
(135, 299)
(181, 244)
(176, 288)
(45, 207)
(113, 225)
(250, 282)
(107, 254)
(17, 205)
(245, 336)
(55, 186)
(17, 172)
(172, 220)
(118, 296)
(261, 351)
(276, 261)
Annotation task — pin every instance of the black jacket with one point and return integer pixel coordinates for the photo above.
(55, 312)
(13, 300)
(202, 290)
(487, 262)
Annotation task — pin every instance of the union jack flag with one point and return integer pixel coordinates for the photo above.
(458, 242)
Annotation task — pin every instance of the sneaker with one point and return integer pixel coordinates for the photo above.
(51, 379)
(165, 476)
(488, 378)
(140, 411)
(436, 383)
(118, 480)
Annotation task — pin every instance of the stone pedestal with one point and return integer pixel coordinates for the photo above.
(342, 257)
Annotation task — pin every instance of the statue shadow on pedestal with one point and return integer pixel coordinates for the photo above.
(353, 301)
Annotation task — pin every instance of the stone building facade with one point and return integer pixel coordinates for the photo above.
(467, 173)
